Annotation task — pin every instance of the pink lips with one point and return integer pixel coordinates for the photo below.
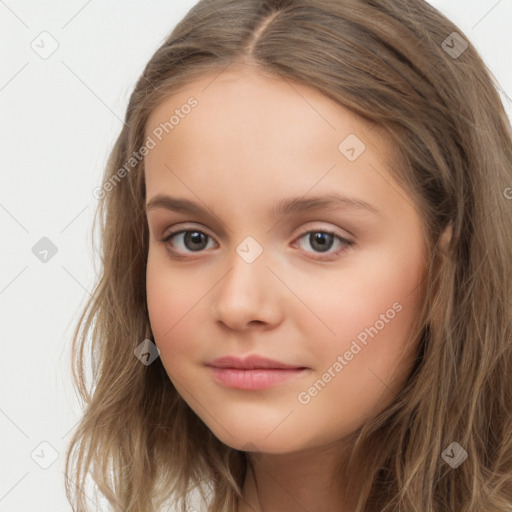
(252, 373)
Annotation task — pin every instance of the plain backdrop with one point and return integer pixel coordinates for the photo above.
(60, 115)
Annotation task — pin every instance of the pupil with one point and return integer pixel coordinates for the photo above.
(319, 240)
(195, 238)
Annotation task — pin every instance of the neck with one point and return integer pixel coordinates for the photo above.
(294, 482)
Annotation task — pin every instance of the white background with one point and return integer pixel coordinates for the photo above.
(59, 119)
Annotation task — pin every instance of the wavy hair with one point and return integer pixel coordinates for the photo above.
(397, 64)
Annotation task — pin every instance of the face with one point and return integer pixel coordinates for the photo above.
(277, 232)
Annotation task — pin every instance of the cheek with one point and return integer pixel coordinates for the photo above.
(364, 366)
(376, 291)
(372, 315)
(173, 298)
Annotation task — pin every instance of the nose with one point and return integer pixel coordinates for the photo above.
(248, 296)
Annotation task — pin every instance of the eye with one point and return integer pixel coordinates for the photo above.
(322, 241)
(179, 243)
(192, 240)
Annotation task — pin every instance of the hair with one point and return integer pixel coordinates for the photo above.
(385, 60)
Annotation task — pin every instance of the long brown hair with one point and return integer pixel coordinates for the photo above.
(399, 65)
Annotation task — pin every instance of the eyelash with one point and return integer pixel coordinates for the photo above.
(176, 254)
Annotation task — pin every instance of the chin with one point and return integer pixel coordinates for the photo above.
(257, 441)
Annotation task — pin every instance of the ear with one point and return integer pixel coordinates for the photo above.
(445, 239)
(437, 312)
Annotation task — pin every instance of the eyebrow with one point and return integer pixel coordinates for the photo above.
(284, 207)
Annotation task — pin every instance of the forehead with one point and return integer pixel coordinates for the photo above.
(247, 110)
(247, 87)
(251, 97)
(251, 137)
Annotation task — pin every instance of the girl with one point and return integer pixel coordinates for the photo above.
(305, 295)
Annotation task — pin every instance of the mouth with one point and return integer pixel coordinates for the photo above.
(251, 362)
(255, 379)
(252, 373)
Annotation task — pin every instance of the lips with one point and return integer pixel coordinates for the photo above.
(251, 363)
(252, 373)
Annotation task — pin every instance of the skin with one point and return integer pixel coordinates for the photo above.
(251, 141)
